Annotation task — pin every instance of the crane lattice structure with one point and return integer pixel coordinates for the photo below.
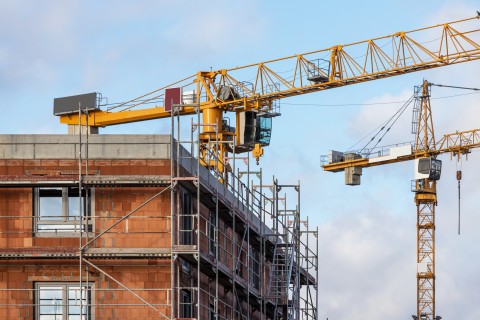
(253, 92)
(428, 170)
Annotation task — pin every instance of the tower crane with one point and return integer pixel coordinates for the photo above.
(427, 173)
(252, 92)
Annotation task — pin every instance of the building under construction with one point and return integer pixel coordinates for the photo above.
(148, 226)
(133, 227)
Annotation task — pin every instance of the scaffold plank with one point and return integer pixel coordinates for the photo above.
(21, 181)
(73, 253)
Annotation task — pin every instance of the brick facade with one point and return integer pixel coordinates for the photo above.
(189, 248)
(147, 228)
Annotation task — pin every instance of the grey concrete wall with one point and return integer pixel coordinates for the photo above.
(105, 146)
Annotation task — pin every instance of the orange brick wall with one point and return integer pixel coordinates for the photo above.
(151, 281)
(150, 227)
(147, 228)
(16, 218)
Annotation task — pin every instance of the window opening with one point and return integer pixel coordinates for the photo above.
(186, 267)
(61, 301)
(211, 232)
(255, 268)
(186, 228)
(57, 210)
(186, 310)
(211, 312)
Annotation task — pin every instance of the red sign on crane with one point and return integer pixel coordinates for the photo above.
(172, 96)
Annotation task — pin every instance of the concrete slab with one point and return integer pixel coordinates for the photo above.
(44, 146)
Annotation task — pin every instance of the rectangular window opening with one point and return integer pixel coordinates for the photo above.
(62, 210)
(211, 311)
(211, 233)
(186, 304)
(254, 260)
(63, 301)
(186, 219)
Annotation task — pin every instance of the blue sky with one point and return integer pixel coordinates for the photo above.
(124, 49)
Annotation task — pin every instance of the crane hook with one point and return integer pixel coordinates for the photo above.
(257, 152)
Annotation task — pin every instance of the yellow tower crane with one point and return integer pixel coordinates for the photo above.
(252, 92)
(427, 173)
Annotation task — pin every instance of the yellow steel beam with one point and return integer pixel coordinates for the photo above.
(337, 66)
(387, 56)
(457, 143)
(99, 118)
(364, 163)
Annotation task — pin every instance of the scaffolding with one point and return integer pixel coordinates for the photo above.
(234, 247)
(270, 263)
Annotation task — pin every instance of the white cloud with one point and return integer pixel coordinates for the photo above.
(35, 38)
(220, 28)
(122, 49)
(366, 266)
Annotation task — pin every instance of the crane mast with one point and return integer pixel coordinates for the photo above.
(426, 201)
(427, 173)
(424, 133)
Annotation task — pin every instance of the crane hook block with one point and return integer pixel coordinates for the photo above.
(257, 152)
